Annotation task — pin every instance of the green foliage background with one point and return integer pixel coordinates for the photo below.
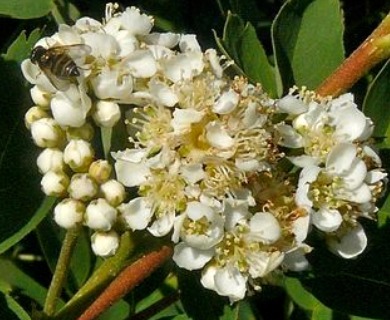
(278, 43)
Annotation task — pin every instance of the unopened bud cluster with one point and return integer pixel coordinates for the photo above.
(205, 153)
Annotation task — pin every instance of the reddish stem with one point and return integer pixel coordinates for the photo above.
(129, 278)
(373, 50)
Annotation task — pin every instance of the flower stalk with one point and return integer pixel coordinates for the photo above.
(61, 270)
(373, 50)
(126, 281)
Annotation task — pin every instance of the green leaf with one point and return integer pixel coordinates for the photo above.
(10, 309)
(384, 213)
(306, 300)
(299, 294)
(16, 278)
(30, 225)
(377, 102)
(26, 9)
(240, 43)
(21, 47)
(198, 302)
(361, 286)
(307, 38)
(119, 311)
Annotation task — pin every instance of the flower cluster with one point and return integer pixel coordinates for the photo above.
(341, 178)
(205, 153)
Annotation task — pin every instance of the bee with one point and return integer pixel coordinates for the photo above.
(58, 64)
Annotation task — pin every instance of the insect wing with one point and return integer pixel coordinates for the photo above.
(59, 84)
(75, 51)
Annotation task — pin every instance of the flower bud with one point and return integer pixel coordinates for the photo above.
(47, 133)
(40, 97)
(100, 170)
(78, 154)
(82, 187)
(106, 114)
(85, 132)
(114, 192)
(105, 244)
(55, 183)
(33, 114)
(50, 159)
(100, 215)
(68, 213)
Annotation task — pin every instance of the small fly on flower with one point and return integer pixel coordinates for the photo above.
(58, 63)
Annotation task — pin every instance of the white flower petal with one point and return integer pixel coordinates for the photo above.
(162, 93)
(300, 228)
(327, 220)
(356, 174)
(183, 118)
(166, 39)
(163, 225)
(341, 158)
(289, 137)
(141, 64)
(137, 213)
(192, 172)
(350, 245)
(226, 103)
(130, 171)
(295, 260)
(264, 227)
(217, 136)
(188, 42)
(191, 258)
(231, 283)
(292, 105)
(183, 66)
(375, 176)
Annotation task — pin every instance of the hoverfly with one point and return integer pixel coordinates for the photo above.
(58, 64)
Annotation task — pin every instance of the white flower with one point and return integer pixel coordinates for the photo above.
(78, 154)
(199, 226)
(54, 183)
(105, 244)
(82, 187)
(47, 133)
(106, 114)
(100, 215)
(68, 213)
(50, 159)
(320, 126)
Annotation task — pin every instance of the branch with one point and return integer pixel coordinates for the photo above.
(126, 281)
(373, 50)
